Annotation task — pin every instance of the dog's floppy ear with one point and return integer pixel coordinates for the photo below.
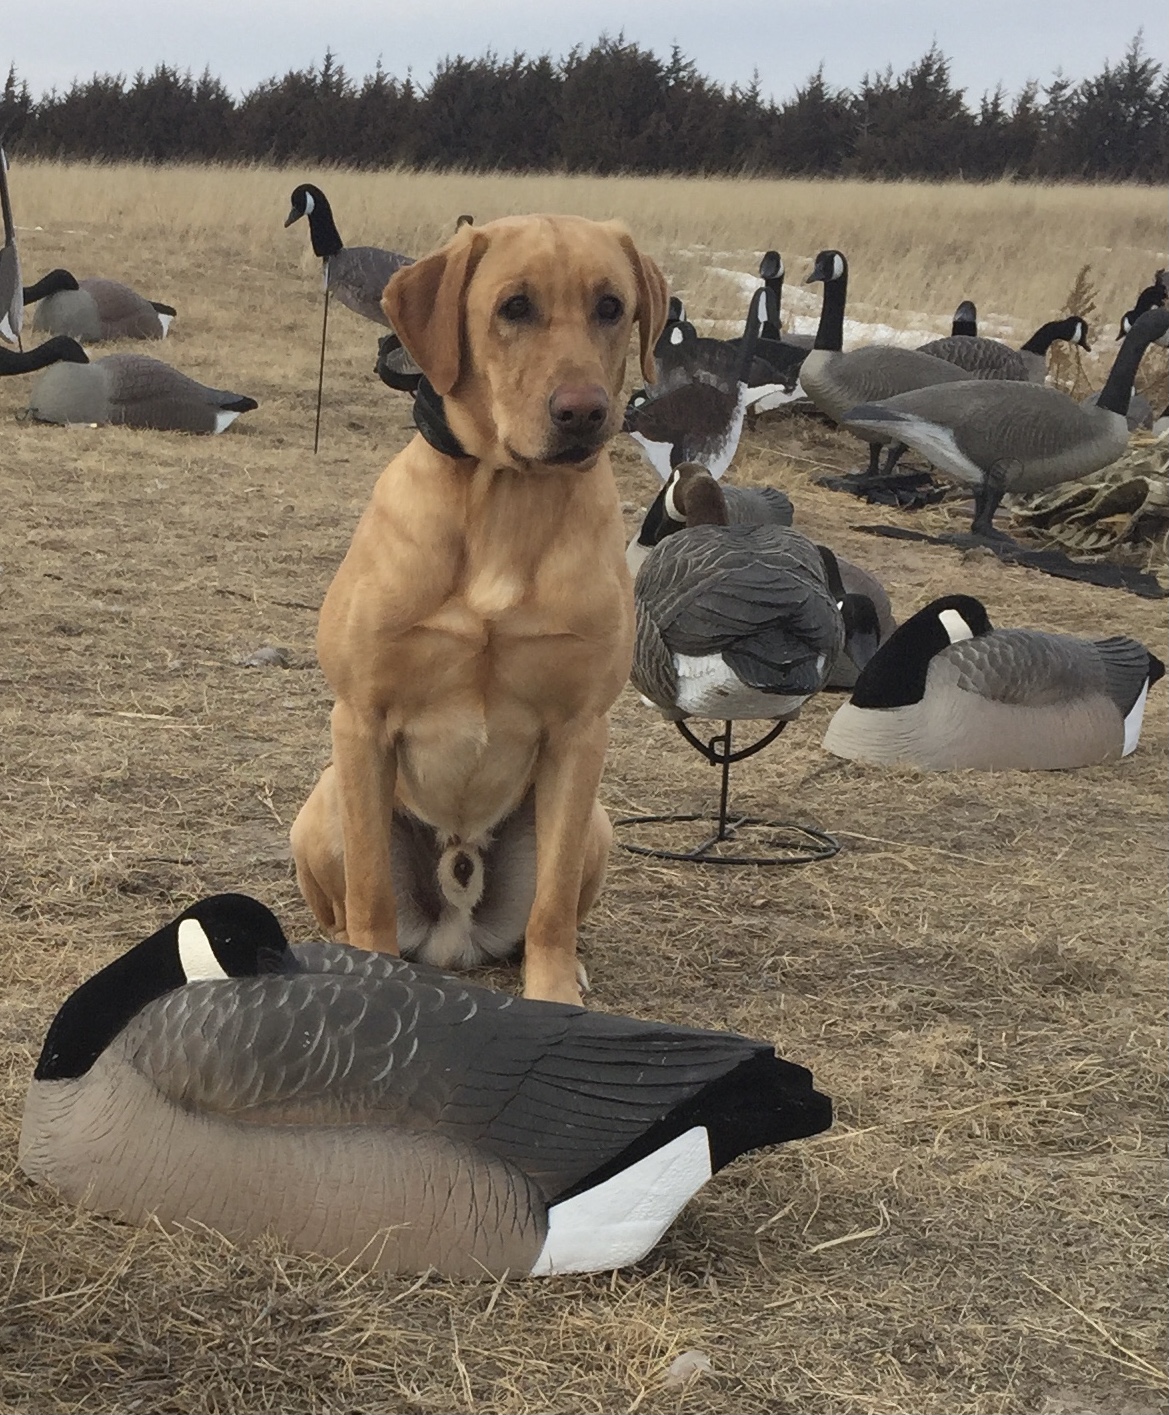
(652, 302)
(424, 304)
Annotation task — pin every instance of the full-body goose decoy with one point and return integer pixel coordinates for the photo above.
(699, 419)
(133, 391)
(745, 506)
(997, 437)
(836, 381)
(11, 300)
(371, 1110)
(989, 358)
(95, 310)
(736, 621)
(356, 275)
(948, 691)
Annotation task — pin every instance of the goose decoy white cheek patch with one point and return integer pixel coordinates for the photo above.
(196, 956)
(955, 626)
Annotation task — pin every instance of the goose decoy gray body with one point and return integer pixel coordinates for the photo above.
(736, 621)
(95, 310)
(990, 358)
(948, 691)
(132, 390)
(11, 301)
(1139, 413)
(996, 437)
(57, 350)
(745, 505)
(356, 275)
(965, 321)
(699, 415)
(836, 381)
(371, 1110)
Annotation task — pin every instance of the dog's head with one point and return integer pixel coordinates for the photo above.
(523, 325)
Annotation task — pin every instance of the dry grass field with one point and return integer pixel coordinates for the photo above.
(978, 979)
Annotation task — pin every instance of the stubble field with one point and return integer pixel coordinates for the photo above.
(977, 979)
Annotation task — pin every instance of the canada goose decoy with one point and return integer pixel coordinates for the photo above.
(356, 275)
(132, 390)
(771, 272)
(11, 301)
(371, 1110)
(699, 419)
(989, 358)
(965, 321)
(1151, 297)
(95, 310)
(745, 506)
(57, 350)
(1139, 414)
(948, 691)
(736, 622)
(836, 381)
(851, 587)
(997, 436)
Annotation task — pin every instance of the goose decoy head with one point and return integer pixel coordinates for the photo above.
(1080, 334)
(64, 350)
(305, 200)
(676, 312)
(965, 319)
(1126, 323)
(1152, 327)
(311, 202)
(692, 497)
(895, 675)
(771, 266)
(225, 936)
(465, 220)
(830, 265)
(52, 284)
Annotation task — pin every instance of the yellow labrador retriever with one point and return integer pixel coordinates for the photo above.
(481, 623)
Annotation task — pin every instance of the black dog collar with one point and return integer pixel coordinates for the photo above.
(430, 420)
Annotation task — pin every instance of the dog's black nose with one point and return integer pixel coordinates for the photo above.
(578, 408)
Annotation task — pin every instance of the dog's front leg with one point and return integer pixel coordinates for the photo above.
(367, 771)
(568, 774)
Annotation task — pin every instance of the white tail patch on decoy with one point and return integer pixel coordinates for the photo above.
(1134, 721)
(164, 320)
(619, 1221)
(224, 420)
(196, 956)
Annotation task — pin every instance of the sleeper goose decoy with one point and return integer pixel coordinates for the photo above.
(95, 310)
(374, 1111)
(745, 505)
(996, 437)
(836, 381)
(699, 419)
(132, 390)
(57, 350)
(11, 301)
(990, 358)
(965, 321)
(947, 692)
(356, 275)
(735, 622)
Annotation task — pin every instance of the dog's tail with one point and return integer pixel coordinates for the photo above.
(460, 875)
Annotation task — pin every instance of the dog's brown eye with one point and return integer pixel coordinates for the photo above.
(609, 309)
(515, 309)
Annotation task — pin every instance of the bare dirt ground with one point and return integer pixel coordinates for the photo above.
(978, 979)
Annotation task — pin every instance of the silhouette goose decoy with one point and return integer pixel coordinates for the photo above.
(996, 437)
(745, 506)
(368, 1109)
(948, 691)
(699, 415)
(95, 310)
(737, 622)
(836, 381)
(130, 390)
(990, 358)
(356, 275)
(11, 301)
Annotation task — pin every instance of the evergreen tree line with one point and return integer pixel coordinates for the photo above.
(614, 108)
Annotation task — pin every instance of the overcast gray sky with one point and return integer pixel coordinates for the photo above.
(243, 41)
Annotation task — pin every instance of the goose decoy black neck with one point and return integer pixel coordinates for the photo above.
(226, 936)
(59, 350)
(1074, 329)
(862, 622)
(1152, 327)
(311, 202)
(771, 273)
(897, 676)
(965, 321)
(51, 284)
(751, 334)
(831, 268)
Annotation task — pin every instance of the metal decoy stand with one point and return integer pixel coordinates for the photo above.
(806, 843)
